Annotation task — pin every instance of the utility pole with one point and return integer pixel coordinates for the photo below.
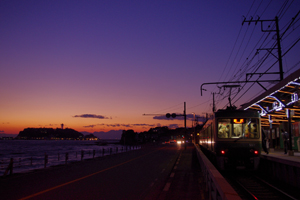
(279, 49)
(184, 114)
(214, 107)
(174, 115)
(278, 40)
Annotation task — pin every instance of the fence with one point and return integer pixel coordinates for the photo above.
(23, 164)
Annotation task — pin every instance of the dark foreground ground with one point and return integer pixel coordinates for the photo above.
(153, 172)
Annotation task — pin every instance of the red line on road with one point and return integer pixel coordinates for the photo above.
(67, 183)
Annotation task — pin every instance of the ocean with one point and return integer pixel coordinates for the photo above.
(30, 154)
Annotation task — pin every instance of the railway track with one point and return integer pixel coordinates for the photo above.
(249, 186)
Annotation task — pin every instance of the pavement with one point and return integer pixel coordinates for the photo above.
(186, 178)
(153, 172)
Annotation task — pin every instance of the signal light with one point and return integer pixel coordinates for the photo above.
(223, 152)
(256, 152)
(173, 115)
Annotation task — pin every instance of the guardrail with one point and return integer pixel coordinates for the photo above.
(38, 162)
(216, 185)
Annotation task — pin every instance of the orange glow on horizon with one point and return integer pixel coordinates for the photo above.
(14, 129)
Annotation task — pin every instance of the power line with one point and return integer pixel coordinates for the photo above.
(234, 45)
(265, 62)
(172, 107)
(199, 104)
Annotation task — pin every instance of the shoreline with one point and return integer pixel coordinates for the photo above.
(70, 153)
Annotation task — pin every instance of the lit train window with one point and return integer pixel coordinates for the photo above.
(224, 128)
(251, 129)
(245, 128)
(237, 130)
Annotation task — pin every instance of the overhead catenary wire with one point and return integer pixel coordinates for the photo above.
(266, 60)
(256, 80)
(286, 51)
(237, 71)
(235, 44)
(169, 108)
(239, 76)
(245, 48)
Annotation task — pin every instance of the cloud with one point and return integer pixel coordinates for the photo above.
(109, 125)
(92, 116)
(121, 125)
(191, 117)
(163, 117)
(1, 131)
(151, 125)
(53, 125)
(89, 126)
(131, 126)
(188, 117)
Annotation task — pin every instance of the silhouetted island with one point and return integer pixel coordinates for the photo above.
(53, 134)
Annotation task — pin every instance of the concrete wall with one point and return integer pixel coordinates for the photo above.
(216, 184)
(287, 171)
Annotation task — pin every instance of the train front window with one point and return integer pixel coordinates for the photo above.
(237, 130)
(224, 128)
(245, 128)
(251, 129)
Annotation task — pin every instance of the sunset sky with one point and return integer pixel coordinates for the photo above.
(99, 65)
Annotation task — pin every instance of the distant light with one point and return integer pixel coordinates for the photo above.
(256, 152)
(223, 152)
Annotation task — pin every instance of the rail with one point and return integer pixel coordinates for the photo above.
(24, 164)
(216, 185)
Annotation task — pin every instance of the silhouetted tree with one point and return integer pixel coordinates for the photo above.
(129, 137)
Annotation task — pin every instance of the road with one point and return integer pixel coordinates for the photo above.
(138, 174)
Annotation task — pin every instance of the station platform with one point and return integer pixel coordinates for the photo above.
(186, 179)
(284, 168)
(278, 154)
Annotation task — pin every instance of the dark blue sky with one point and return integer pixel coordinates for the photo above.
(120, 59)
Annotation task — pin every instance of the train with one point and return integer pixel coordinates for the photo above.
(231, 139)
